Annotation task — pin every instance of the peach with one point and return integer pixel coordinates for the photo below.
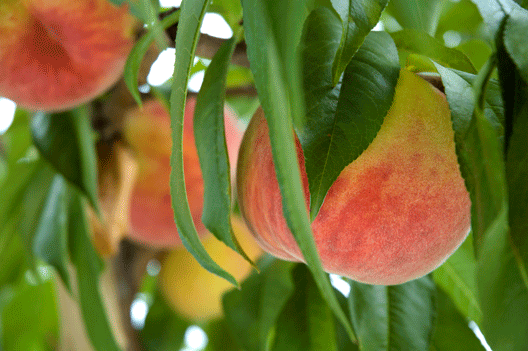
(148, 132)
(393, 215)
(59, 54)
(192, 291)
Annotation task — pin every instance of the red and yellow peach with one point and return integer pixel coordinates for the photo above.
(393, 215)
(59, 54)
(148, 131)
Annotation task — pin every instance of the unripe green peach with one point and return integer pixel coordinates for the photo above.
(57, 54)
(148, 131)
(393, 215)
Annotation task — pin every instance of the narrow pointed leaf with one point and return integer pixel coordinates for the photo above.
(503, 292)
(452, 331)
(492, 13)
(306, 323)
(88, 267)
(421, 43)
(251, 312)
(516, 90)
(136, 7)
(457, 277)
(479, 154)
(209, 135)
(30, 318)
(24, 192)
(358, 18)
(14, 187)
(66, 141)
(422, 15)
(501, 283)
(282, 98)
(502, 272)
(137, 53)
(343, 120)
(462, 16)
(397, 317)
(192, 13)
(16, 141)
(51, 238)
(515, 39)
(13, 255)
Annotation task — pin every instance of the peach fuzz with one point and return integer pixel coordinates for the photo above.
(58, 54)
(148, 131)
(192, 291)
(394, 214)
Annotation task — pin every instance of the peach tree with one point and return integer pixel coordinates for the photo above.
(325, 78)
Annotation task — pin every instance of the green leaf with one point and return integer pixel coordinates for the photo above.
(515, 42)
(461, 16)
(209, 135)
(13, 256)
(17, 139)
(66, 141)
(14, 187)
(277, 26)
(24, 192)
(51, 237)
(493, 104)
(3, 167)
(306, 323)
(231, 11)
(218, 336)
(244, 106)
(421, 43)
(422, 15)
(358, 18)
(272, 30)
(397, 317)
(512, 268)
(502, 287)
(192, 13)
(343, 120)
(136, 7)
(503, 291)
(492, 13)
(88, 267)
(479, 154)
(452, 332)
(238, 76)
(517, 161)
(252, 311)
(343, 341)
(149, 14)
(137, 53)
(457, 277)
(30, 319)
(477, 51)
(164, 329)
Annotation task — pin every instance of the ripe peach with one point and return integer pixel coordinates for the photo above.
(191, 290)
(393, 215)
(148, 132)
(58, 54)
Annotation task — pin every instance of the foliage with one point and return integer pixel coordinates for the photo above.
(315, 65)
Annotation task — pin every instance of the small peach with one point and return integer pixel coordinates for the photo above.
(148, 132)
(196, 293)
